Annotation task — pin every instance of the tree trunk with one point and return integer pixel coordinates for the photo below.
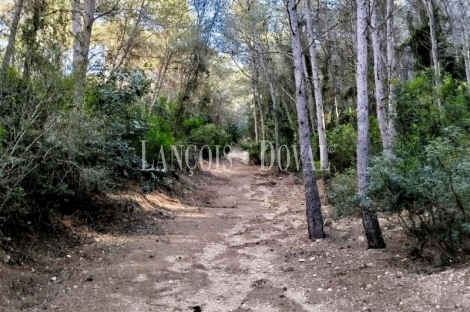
(160, 80)
(378, 77)
(261, 117)
(286, 109)
(272, 89)
(255, 81)
(309, 95)
(82, 26)
(8, 56)
(255, 119)
(434, 51)
(391, 63)
(466, 56)
(127, 45)
(369, 218)
(466, 47)
(313, 204)
(324, 163)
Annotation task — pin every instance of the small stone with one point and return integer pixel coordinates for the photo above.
(288, 269)
(312, 259)
(345, 235)
(361, 239)
(6, 258)
(302, 260)
(328, 222)
(53, 278)
(329, 289)
(69, 256)
(320, 289)
(369, 286)
(318, 240)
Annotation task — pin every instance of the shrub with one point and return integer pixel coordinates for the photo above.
(158, 136)
(342, 142)
(431, 195)
(254, 150)
(342, 194)
(193, 123)
(211, 136)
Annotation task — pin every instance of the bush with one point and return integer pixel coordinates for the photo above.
(342, 194)
(158, 136)
(254, 150)
(211, 136)
(342, 142)
(431, 195)
(193, 123)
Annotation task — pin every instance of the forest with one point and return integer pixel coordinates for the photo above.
(361, 107)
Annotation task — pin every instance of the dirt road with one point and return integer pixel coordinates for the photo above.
(238, 242)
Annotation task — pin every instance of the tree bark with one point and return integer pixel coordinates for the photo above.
(466, 47)
(255, 118)
(82, 25)
(378, 78)
(309, 94)
(434, 51)
(272, 89)
(160, 80)
(313, 204)
(324, 163)
(127, 45)
(369, 218)
(286, 109)
(8, 56)
(261, 116)
(391, 63)
(255, 82)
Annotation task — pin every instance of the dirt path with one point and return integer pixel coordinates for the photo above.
(239, 244)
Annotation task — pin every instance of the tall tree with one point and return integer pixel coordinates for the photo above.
(378, 78)
(266, 68)
(318, 89)
(463, 18)
(83, 17)
(8, 56)
(434, 49)
(369, 217)
(312, 197)
(391, 66)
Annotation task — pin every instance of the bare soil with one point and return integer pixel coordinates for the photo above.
(235, 241)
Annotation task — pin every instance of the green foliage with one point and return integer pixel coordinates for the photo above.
(118, 103)
(342, 191)
(254, 150)
(342, 142)
(65, 154)
(235, 131)
(418, 118)
(2, 135)
(193, 123)
(159, 136)
(431, 196)
(211, 136)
